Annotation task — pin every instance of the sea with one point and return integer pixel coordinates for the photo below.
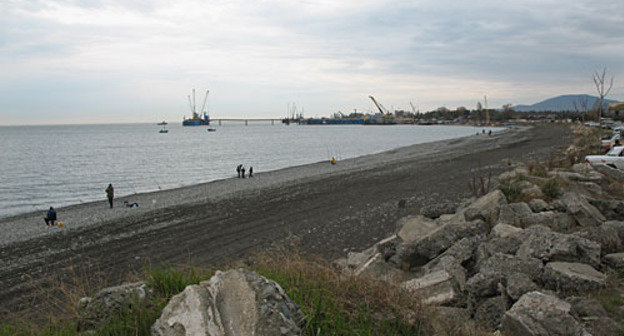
(42, 166)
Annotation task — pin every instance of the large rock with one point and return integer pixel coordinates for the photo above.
(584, 213)
(109, 302)
(519, 284)
(520, 215)
(540, 242)
(610, 208)
(415, 227)
(496, 270)
(430, 246)
(617, 226)
(486, 208)
(614, 260)
(594, 317)
(613, 173)
(504, 230)
(236, 302)
(433, 288)
(490, 311)
(539, 205)
(378, 270)
(606, 236)
(572, 277)
(538, 314)
(436, 210)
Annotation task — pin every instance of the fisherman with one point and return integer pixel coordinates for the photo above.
(110, 194)
(50, 217)
(490, 133)
(242, 171)
(238, 169)
(483, 131)
(250, 171)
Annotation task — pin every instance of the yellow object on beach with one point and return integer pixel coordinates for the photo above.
(60, 224)
(333, 160)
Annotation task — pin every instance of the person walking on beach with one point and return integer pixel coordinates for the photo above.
(238, 170)
(250, 171)
(242, 171)
(110, 194)
(50, 217)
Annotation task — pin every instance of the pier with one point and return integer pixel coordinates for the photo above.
(247, 120)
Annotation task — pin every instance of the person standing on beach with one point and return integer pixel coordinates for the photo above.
(110, 194)
(50, 217)
(242, 171)
(250, 171)
(238, 170)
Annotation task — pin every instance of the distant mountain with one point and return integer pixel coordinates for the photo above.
(563, 103)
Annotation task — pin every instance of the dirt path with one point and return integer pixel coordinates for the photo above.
(328, 211)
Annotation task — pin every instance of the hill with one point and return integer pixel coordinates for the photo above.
(563, 103)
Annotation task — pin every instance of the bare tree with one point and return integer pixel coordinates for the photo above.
(599, 81)
(581, 106)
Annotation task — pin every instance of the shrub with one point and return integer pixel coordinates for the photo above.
(552, 188)
(511, 190)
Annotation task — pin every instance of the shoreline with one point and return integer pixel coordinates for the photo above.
(21, 204)
(74, 216)
(315, 209)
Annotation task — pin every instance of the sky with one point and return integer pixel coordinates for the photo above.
(67, 62)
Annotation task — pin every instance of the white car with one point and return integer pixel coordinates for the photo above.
(613, 158)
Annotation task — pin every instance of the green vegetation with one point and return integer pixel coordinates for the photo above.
(511, 189)
(332, 303)
(335, 304)
(552, 188)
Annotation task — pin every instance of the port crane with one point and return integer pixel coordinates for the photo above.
(380, 107)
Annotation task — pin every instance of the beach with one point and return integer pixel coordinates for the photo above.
(319, 208)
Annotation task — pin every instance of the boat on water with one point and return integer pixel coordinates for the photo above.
(163, 130)
(197, 119)
(211, 129)
(162, 123)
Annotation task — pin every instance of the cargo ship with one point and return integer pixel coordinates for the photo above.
(197, 119)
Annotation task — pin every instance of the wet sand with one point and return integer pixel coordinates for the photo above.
(326, 209)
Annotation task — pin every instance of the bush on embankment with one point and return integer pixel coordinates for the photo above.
(332, 303)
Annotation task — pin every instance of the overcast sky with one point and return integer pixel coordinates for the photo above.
(108, 61)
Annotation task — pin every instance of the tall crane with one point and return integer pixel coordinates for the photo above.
(380, 107)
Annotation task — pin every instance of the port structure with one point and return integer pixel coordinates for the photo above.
(247, 120)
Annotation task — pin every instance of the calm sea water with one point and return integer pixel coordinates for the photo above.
(62, 165)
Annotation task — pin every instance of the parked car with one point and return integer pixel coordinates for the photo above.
(613, 158)
(608, 143)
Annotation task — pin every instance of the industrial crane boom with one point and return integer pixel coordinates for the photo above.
(381, 109)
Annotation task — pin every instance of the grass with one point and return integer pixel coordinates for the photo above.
(552, 188)
(333, 304)
(511, 189)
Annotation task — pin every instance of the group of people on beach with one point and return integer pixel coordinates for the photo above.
(51, 216)
(240, 170)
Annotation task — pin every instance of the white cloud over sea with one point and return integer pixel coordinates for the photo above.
(112, 61)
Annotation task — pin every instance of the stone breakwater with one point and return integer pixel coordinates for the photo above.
(523, 262)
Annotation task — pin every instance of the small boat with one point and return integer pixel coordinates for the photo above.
(163, 130)
(163, 123)
(211, 129)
